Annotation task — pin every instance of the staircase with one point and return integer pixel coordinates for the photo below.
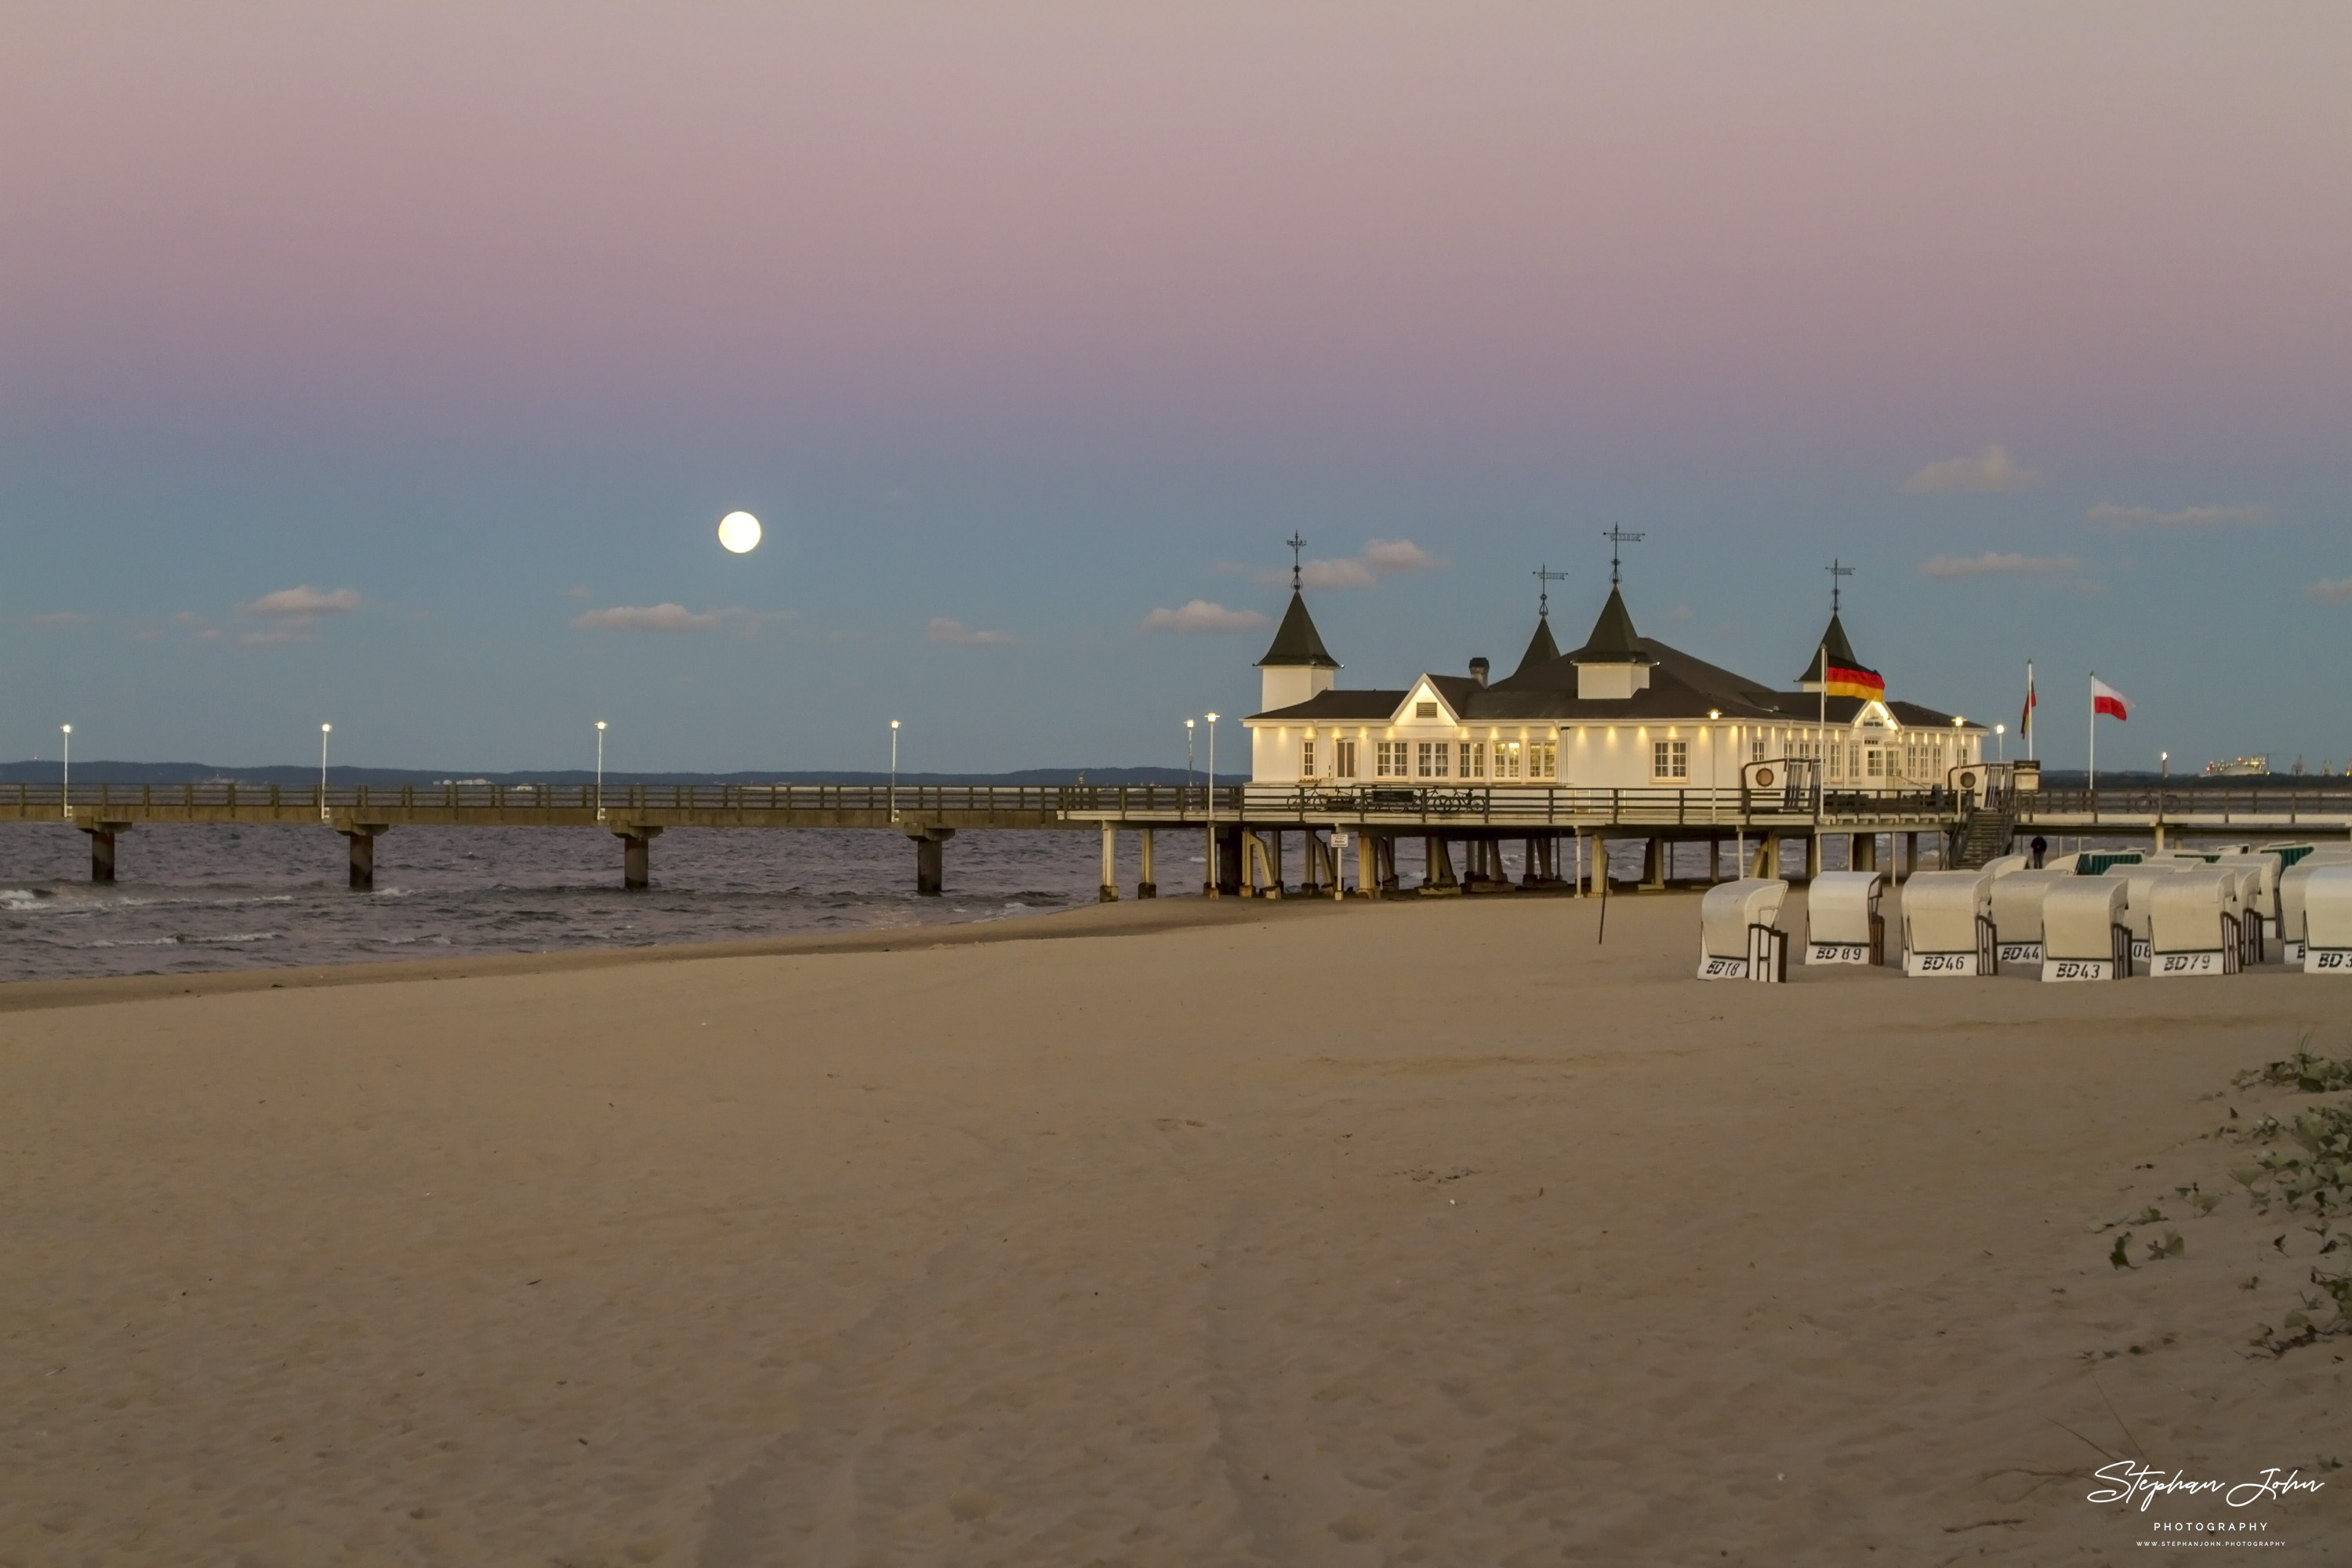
(1984, 834)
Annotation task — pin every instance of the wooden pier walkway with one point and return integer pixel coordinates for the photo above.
(1472, 817)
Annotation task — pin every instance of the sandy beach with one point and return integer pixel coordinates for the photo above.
(1419, 1232)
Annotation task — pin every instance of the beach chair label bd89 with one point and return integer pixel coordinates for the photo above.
(1838, 953)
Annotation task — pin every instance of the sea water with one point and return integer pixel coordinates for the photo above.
(219, 897)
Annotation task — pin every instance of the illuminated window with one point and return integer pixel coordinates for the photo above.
(1474, 759)
(1433, 757)
(1542, 760)
(1388, 759)
(1508, 758)
(1424, 709)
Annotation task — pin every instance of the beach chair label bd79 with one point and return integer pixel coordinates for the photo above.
(2187, 964)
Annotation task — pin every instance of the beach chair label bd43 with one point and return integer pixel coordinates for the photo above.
(2084, 936)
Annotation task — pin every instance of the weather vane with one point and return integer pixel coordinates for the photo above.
(1296, 544)
(1836, 571)
(1544, 575)
(1617, 536)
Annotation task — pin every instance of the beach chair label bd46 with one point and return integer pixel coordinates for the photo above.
(1947, 929)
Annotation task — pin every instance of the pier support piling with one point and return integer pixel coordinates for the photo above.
(361, 840)
(636, 854)
(930, 858)
(1109, 892)
(1145, 886)
(101, 850)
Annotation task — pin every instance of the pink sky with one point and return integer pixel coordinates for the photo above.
(1692, 222)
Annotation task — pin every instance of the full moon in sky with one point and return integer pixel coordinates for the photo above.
(738, 531)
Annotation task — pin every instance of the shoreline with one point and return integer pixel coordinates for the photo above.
(1129, 917)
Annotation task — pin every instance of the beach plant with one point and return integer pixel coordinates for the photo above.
(2302, 1072)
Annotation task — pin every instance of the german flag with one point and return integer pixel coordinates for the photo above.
(1841, 681)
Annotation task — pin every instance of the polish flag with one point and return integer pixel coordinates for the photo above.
(2106, 699)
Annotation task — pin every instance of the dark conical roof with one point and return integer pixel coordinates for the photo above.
(1840, 652)
(1613, 639)
(1296, 641)
(1542, 649)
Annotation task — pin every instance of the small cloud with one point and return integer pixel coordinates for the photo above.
(955, 634)
(302, 607)
(270, 638)
(2106, 514)
(1391, 556)
(59, 618)
(1679, 613)
(1200, 615)
(1994, 563)
(663, 617)
(1989, 470)
(579, 591)
(1379, 558)
(2324, 591)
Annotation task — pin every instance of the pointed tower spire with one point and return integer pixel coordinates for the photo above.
(1541, 649)
(1833, 647)
(1296, 642)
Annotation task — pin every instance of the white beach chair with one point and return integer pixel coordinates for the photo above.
(2017, 913)
(2327, 921)
(1948, 930)
(1843, 924)
(1740, 937)
(2084, 936)
(2193, 924)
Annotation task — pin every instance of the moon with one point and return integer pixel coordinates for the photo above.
(738, 531)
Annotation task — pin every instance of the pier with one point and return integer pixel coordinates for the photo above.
(1252, 827)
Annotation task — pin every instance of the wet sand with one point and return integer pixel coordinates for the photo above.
(1419, 1232)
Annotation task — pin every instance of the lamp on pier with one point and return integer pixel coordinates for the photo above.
(65, 788)
(324, 729)
(600, 770)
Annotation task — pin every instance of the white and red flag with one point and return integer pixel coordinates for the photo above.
(2106, 699)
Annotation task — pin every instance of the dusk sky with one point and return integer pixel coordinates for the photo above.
(393, 365)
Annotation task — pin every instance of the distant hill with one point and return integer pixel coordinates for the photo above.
(117, 772)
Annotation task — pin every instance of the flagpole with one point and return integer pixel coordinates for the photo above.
(2094, 774)
(2031, 740)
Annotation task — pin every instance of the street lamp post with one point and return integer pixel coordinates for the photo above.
(324, 814)
(1214, 870)
(600, 770)
(1188, 753)
(894, 770)
(2001, 732)
(65, 789)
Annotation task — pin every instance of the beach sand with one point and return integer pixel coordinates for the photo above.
(1425, 1231)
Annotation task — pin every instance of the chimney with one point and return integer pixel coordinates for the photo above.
(1478, 667)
